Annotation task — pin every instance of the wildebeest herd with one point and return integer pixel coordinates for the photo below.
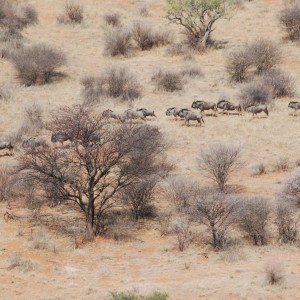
(142, 114)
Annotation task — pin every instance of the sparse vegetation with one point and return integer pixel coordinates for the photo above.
(115, 82)
(135, 295)
(259, 169)
(73, 13)
(112, 19)
(218, 162)
(22, 264)
(282, 164)
(168, 81)
(274, 273)
(118, 42)
(192, 71)
(6, 182)
(291, 188)
(37, 64)
(184, 236)
(254, 214)
(290, 20)
(237, 65)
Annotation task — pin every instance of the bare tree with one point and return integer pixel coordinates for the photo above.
(182, 230)
(218, 162)
(217, 212)
(103, 160)
(254, 213)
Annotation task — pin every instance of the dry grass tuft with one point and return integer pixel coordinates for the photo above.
(169, 81)
(73, 14)
(18, 262)
(274, 273)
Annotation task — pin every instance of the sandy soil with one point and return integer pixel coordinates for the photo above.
(148, 261)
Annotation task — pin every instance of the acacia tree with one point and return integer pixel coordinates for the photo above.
(102, 159)
(198, 16)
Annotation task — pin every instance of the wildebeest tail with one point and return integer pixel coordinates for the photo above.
(267, 112)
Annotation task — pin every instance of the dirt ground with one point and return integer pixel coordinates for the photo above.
(149, 261)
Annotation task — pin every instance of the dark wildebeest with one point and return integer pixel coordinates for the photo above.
(34, 142)
(173, 111)
(147, 112)
(6, 145)
(256, 109)
(59, 137)
(131, 115)
(110, 114)
(190, 116)
(231, 106)
(221, 103)
(295, 105)
(203, 105)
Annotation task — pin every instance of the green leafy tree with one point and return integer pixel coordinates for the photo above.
(198, 16)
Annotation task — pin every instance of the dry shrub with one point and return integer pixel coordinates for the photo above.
(194, 43)
(263, 55)
(216, 211)
(116, 82)
(112, 19)
(169, 81)
(18, 262)
(282, 164)
(218, 162)
(40, 240)
(164, 222)
(192, 71)
(34, 117)
(147, 38)
(15, 15)
(291, 189)
(118, 42)
(6, 182)
(274, 273)
(36, 64)
(259, 169)
(287, 222)
(255, 92)
(237, 65)
(74, 12)
(253, 216)
(143, 9)
(280, 83)
(290, 19)
(135, 295)
(184, 236)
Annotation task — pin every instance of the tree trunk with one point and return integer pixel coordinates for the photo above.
(206, 37)
(90, 234)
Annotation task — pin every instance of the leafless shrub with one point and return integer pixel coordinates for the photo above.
(216, 211)
(194, 43)
(274, 273)
(143, 9)
(115, 82)
(168, 81)
(164, 221)
(254, 214)
(287, 222)
(282, 165)
(291, 189)
(263, 55)
(34, 117)
(6, 182)
(191, 70)
(237, 65)
(255, 92)
(112, 19)
(181, 192)
(18, 262)
(280, 83)
(74, 12)
(162, 37)
(218, 162)
(36, 64)
(138, 198)
(233, 253)
(118, 42)
(259, 169)
(290, 19)
(14, 15)
(181, 228)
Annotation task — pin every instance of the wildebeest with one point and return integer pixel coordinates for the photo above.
(130, 114)
(174, 111)
(34, 142)
(295, 105)
(59, 137)
(256, 109)
(231, 106)
(190, 116)
(203, 105)
(110, 114)
(6, 145)
(147, 112)
(221, 103)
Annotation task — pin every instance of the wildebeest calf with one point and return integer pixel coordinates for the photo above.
(34, 142)
(6, 145)
(131, 115)
(295, 105)
(147, 112)
(59, 137)
(256, 109)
